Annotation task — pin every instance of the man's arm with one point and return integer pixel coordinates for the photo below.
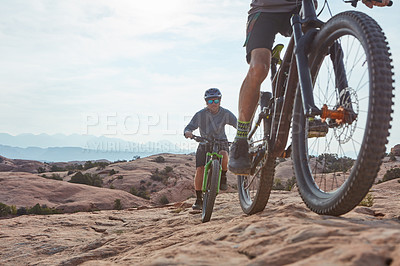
(372, 3)
(193, 125)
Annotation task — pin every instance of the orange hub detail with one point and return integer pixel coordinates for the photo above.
(340, 115)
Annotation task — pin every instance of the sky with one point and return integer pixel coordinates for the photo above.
(135, 70)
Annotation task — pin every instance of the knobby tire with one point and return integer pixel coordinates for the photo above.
(373, 124)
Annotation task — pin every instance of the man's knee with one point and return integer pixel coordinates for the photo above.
(258, 71)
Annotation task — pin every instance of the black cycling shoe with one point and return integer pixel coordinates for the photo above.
(198, 205)
(223, 185)
(239, 161)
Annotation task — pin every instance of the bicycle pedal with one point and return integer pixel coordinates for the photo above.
(317, 128)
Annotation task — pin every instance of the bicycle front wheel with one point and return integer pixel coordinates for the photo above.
(211, 191)
(336, 160)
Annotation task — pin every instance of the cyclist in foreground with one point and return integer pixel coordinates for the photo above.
(211, 122)
(266, 19)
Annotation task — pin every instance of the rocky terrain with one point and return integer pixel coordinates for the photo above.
(285, 232)
(146, 232)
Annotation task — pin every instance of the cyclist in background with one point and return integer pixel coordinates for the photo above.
(266, 19)
(211, 122)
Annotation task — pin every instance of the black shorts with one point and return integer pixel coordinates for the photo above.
(262, 28)
(201, 153)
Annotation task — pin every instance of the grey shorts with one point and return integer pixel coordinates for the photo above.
(262, 28)
(201, 153)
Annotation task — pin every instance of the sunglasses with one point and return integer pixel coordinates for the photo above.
(211, 101)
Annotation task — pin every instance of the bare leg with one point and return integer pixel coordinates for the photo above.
(224, 160)
(239, 160)
(198, 178)
(250, 90)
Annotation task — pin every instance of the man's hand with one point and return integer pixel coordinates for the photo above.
(188, 134)
(372, 3)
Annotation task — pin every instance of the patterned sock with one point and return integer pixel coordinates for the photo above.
(199, 194)
(242, 129)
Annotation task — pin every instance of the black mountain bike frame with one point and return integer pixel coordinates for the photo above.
(294, 71)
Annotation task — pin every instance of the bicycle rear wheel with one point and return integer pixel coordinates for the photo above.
(254, 189)
(336, 160)
(211, 191)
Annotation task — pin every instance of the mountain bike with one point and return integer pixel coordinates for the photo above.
(212, 174)
(333, 93)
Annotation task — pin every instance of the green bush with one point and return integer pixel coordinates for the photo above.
(53, 176)
(164, 200)
(159, 159)
(163, 175)
(4, 210)
(42, 210)
(141, 192)
(113, 172)
(391, 174)
(288, 185)
(99, 165)
(87, 179)
(368, 200)
(117, 204)
(332, 163)
(41, 170)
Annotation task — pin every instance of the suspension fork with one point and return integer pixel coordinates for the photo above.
(309, 23)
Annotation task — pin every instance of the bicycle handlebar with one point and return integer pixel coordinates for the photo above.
(206, 140)
(354, 2)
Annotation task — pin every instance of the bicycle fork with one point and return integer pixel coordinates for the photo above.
(207, 168)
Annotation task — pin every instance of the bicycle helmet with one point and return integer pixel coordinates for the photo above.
(212, 93)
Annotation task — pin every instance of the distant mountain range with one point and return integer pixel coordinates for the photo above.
(63, 148)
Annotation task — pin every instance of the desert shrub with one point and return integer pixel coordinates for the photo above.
(159, 159)
(163, 175)
(278, 185)
(41, 170)
(141, 192)
(22, 211)
(117, 204)
(368, 200)
(392, 157)
(4, 210)
(332, 163)
(55, 168)
(87, 179)
(113, 172)
(168, 169)
(53, 176)
(391, 174)
(99, 165)
(120, 177)
(288, 185)
(164, 200)
(112, 186)
(42, 210)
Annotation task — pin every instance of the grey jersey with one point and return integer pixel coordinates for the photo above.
(212, 125)
(273, 6)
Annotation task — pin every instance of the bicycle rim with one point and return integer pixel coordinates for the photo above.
(335, 161)
(211, 191)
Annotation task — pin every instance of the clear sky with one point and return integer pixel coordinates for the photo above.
(133, 69)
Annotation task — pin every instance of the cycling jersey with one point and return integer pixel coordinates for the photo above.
(273, 6)
(212, 125)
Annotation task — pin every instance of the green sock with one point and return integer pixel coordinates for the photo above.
(242, 129)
